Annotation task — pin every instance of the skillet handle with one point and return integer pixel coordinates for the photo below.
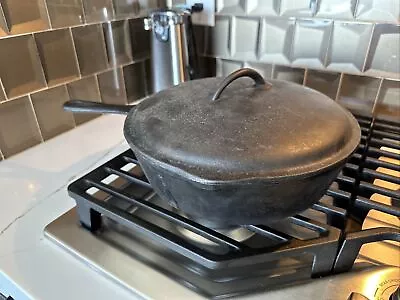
(81, 106)
(244, 72)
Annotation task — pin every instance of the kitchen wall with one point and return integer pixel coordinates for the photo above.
(55, 50)
(347, 49)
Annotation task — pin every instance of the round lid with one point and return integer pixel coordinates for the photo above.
(268, 130)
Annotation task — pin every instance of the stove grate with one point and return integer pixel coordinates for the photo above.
(128, 196)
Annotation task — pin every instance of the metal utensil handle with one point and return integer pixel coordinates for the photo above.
(81, 106)
(245, 72)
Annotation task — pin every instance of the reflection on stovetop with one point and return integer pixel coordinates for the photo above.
(127, 219)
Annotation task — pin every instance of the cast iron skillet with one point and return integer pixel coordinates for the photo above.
(247, 154)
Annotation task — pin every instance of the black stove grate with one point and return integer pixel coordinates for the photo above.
(381, 134)
(119, 191)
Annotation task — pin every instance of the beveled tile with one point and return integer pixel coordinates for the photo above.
(263, 8)
(298, 8)
(358, 92)
(264, 69)
(90, 48)
(98, 10)
(348, 46)
(218, 37)
(225, 67)
(112, 87)
(57, 55)
(231, 7)
(125, 8)
(245, 38)
(52, 118)
(384, 52)
(149, 5)
(118, 42)
(135, 81)
(337, 9)
(290, 74)
(25, 16)
(140, 39)
(276, 40)
(84, 89)
(20, 68)
(3, 25)
(325, 82)
(65, 12)
(389, 100)
(18, 127)
(378, 10)
(311, 41)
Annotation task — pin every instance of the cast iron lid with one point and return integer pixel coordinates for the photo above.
(269, 130)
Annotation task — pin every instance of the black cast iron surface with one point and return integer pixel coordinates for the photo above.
(332, 242)
(247, 155)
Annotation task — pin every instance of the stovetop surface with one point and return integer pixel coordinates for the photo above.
(131, 226)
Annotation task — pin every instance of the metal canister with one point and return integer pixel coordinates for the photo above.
(171, 48)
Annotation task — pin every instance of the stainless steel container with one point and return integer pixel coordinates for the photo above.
(172, 47)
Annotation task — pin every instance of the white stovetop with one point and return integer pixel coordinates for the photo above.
(32, 194)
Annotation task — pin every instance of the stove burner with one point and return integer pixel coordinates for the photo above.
(245, 254)
(239, 234)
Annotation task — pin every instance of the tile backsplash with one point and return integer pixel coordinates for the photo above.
(55, 50)
(347, 49)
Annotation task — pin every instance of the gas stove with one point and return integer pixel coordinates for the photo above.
(344, 247)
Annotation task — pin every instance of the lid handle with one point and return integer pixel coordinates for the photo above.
(244, 72)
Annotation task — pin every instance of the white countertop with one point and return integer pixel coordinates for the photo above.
(32, 194)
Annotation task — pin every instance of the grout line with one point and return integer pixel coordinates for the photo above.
(355, 9)
(109, 45)
(47, 14)
(104, 45)
(37, 53)
(273, 71)
(339, 87)
(259, 35)
(75, 53)
(376, 100)
(36, 119)
(305, 76)
(83, 11)
(69, 97)
(123, 80)
(231, 36)
(291, 52)
(367, 54)
(329, 46)
(128, 40)
(135, 61)
(114, 12)
(98, 88)
(124, 85)
(2, 14)
(4, 90)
